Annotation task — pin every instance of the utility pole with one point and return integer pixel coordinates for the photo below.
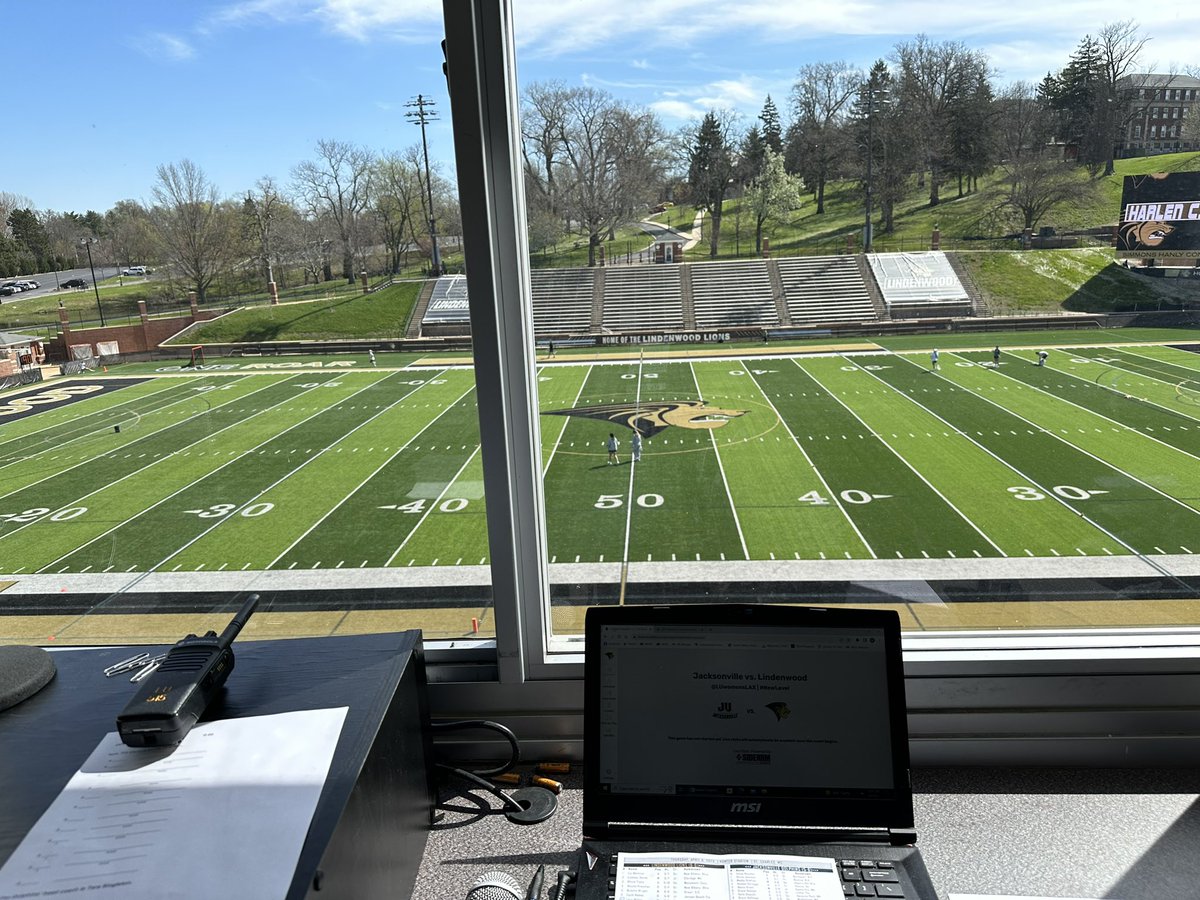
(422, 111)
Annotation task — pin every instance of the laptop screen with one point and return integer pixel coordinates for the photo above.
(744, 714)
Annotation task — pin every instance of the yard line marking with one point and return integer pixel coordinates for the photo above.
(911, 467)
(566, 421)
(833, 495)
(25, 439)
(721, 466)
(78, 500)
(637, 404)
(378, 468)
(240, 507)
(1053, 496)
(58, 472)
(433, 505)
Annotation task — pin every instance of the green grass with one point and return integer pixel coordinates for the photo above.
(383, 314)
(806, 458)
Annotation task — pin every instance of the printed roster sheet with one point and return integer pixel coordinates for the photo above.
(702, 876)
(224, 814)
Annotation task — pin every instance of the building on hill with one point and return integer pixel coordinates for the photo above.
(1160, 115)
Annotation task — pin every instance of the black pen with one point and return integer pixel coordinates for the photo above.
(535, 886)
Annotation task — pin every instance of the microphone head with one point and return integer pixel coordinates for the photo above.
(495, 886)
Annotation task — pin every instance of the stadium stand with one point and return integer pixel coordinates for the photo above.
(825, 289)
(920, 284)
(643, 298)
(732, 293)
(562, 300)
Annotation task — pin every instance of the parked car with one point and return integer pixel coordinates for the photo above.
(74, 283)
(28, 285)
(9, 288)
(134, 270)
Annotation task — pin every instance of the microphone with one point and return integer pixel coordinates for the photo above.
(495, 886)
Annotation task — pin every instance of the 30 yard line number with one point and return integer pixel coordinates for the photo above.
(1066, 491)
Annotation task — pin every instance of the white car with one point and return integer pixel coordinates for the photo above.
(29, 285)
(134, 270)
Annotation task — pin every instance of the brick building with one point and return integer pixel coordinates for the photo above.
(1158, 115)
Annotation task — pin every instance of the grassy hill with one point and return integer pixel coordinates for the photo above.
(383, 314)
(974, 215)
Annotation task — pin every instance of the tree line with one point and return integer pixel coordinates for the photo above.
(928, 117)
(338, 210)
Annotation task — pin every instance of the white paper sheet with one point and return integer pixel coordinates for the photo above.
(224, 815)
(703, 876)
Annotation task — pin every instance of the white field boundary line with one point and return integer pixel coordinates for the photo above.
(244, 505)
(208, 474)
(1123, 426)
(449, 406)
(566, 420)
(1044, 489)
(150, 435)
(66, 418)
(673, 360)
(871, 431)
(721, 466)
(433, 505)
(12, 461)
(808, 459)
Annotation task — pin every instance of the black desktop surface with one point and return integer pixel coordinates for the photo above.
(372, 819)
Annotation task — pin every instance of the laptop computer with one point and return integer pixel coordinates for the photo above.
(746, 730)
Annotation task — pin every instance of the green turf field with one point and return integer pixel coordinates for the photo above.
(781, 458)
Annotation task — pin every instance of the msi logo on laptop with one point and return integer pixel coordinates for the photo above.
(745, 808)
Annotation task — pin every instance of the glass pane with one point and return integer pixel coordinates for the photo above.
(818, 335)
(237, 383)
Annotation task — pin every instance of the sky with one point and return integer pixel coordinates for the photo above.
(105, 92)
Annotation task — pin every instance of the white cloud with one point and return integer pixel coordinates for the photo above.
(678, 109)
(162, 46)
(640, 64)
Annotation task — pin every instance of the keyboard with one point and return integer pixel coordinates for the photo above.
(869, 878)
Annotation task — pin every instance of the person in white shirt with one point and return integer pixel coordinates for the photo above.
(611, 445)
(635, 446)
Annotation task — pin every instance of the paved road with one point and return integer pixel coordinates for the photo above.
(50, 280)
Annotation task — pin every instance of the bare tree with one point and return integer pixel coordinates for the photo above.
(196, 232)
(931, 79)
(9, 202)
(397, 202)
(1120, 45)
(610, 162)
(1034, 185)
(261, 208)
(821, 103)
(338, 183)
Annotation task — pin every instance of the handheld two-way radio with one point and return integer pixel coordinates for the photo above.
(173, 698)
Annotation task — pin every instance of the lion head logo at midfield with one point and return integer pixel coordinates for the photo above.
(648, 419)
(1144, 234)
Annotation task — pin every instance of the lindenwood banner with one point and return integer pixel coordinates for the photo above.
(1160, 216)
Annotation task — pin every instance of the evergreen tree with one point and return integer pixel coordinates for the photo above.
(751, 157)
(772, 129)
(709, 170)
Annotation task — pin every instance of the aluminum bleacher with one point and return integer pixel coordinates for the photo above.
(825, 289)
(643, 298)
(729, 294)
(562, 300)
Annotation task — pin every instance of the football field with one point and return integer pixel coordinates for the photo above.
(814, 457)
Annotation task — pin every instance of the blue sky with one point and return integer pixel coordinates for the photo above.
(109, 91)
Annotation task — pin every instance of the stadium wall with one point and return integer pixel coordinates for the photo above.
(143, 336)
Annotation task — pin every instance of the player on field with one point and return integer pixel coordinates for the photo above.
(1042, 354)
(933, 361)
(550, 350)
(371, 353)
(996, 357)
(635, 446)
(611, 445)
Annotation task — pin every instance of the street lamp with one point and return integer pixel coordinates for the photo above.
(95, 287)
(422, 112)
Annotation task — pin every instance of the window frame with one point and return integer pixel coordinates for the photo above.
(1115, 696)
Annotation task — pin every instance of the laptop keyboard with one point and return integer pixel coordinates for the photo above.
(869, 878)
(860, 878)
